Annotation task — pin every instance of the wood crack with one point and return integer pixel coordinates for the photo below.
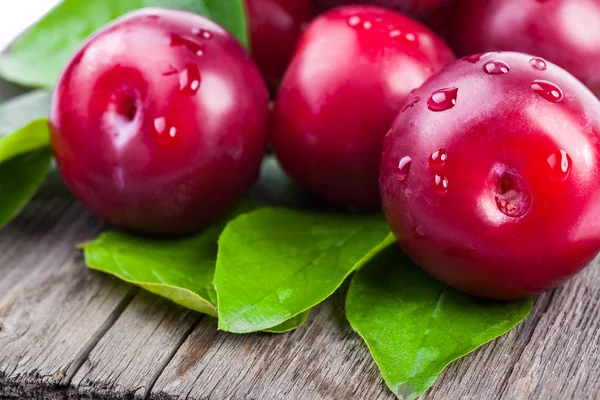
(162, 366)
(85, 352)
(530, 333)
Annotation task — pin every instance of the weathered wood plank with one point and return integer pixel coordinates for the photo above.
(562, 359)
(128, 359)
(324, 359)
(65, 331)
(52, 309)
(554, 354)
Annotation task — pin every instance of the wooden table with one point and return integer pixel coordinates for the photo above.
(67, 332)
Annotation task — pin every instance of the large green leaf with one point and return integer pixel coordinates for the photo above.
(37, 57)
(276, 263)
(415, 326)
(179, 269)
(24, 154)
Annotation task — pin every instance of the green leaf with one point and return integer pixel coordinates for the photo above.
(179, 269)
(415, 326)
(38, 56)
(276, 263)
(20, 177)
(24, 154)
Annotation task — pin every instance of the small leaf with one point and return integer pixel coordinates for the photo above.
(276, 263)
(20, 177)
(38, 56)
(24, 154)
(179, 269)
(415, 326)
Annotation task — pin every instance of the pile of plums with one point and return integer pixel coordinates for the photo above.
(487, 166)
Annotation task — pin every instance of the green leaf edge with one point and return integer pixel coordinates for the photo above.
(37, 182)
(291, 324)
(198, 303)
(415, 395)
(14, 139)
(390, 239)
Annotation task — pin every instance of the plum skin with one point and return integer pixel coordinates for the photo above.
(562, 31)
(275, 27)
(500, 135)
(159, 122)
(343, 89)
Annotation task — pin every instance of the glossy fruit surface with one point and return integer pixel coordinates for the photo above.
(159, 122)
(275, 26)
(490, 182)
(353, 70)
(415, 8)
(565, 32)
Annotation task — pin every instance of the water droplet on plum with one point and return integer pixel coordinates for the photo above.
(438, 159)
(202, 33)
(538, 63)
(440, 184)
(164, 133)
(443, 99)
(547, 90)
(560, 164)
(403, 168)
(496, 67)
(189, 44)
(411, 103)
(189, 80)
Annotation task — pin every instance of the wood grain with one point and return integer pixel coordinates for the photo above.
(127, 360)
(52, 309)
(324, 359)
(66, 332)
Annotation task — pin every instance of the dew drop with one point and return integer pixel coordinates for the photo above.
(560, 164)
(419, 231)
(395, 33)
(189, 44)
(438, 159)
(548, 90)
(202, 33)
(443, 99)
(496, 67)
(411, 103)
(440, 184)
(403, 168)
(356, 23)
(164, 133)
(189, 80)
(411, 37)
(538, 63)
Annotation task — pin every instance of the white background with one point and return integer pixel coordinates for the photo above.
(17, 15)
